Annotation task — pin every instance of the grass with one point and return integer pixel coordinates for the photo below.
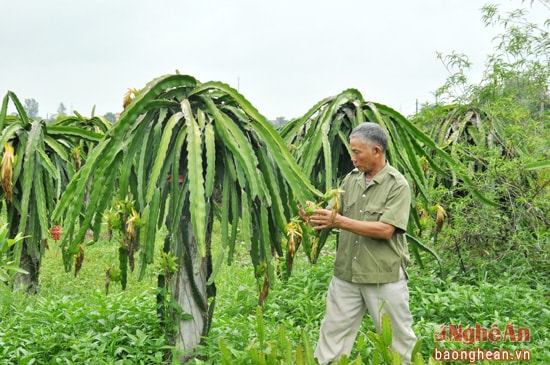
(72, 321)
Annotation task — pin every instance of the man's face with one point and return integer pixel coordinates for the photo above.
(364, 157)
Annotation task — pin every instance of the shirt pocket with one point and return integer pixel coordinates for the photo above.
(349, 206)
(373, 212)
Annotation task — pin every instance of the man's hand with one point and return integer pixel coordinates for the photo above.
(323, 219)
(302, 213)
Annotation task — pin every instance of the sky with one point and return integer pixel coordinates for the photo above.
(283, 56)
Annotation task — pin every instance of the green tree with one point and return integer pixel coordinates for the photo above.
(7, 267)
(319, 142)
(111, 117)
(280, 121)
(498, 129)
(37, 163)
(31, 108)
(61, 109)
(191, 152)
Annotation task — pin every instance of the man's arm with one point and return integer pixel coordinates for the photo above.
(323, 219)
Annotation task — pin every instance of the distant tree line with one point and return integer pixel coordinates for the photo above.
(31, 107)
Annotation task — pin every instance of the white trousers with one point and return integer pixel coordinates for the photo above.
(346, 306)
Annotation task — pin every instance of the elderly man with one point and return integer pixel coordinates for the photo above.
(372, 254)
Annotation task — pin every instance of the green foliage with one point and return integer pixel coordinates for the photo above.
(499, 300)
(518, 237)
(80, 330)
(298, 306)
(7, 266)
(124, 222)
(281, 350)
(37, 162)
(61, 109)
(519, 66)
(187, 140)
(499, 130)
(501, 162)
(31, 108)
(186, 153)
(72, 321)
(516, 72)
(78, 323)
(319, 142)
(383, 352)
(200, 151)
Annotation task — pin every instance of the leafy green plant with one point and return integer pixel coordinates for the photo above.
(319, 142)
(280, 350)
(7, 267)
(77, 308)
(36, 164)
(383, 352)
(189, 152)
(501, 301)
(82, 330)
(124, 223)
(499, 130)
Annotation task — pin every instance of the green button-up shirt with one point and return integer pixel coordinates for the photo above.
(387, 199)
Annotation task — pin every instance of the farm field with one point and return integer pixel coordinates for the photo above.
(197, 187)
(72, 321)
